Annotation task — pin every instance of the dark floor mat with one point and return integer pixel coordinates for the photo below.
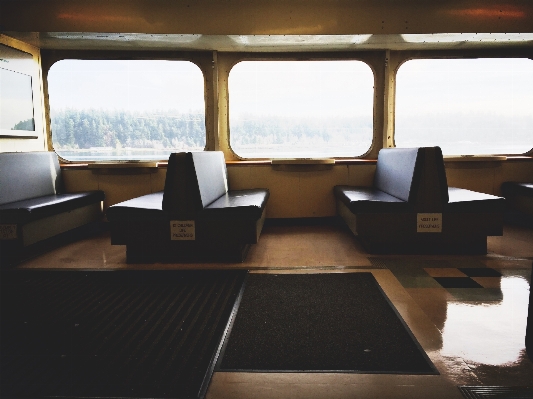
(320, 322)
(494, 392)
(112, 333)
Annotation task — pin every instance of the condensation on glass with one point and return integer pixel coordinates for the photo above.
(300, 109)
(465, 106)
(107, 110)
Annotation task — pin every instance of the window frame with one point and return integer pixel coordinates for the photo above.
(373, 59)
(203, 60)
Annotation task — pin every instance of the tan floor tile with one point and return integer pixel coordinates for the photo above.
(433, 301)
(444, 272)
(328, 385)
(488, 282)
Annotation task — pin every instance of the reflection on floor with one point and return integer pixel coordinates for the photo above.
(468, 312)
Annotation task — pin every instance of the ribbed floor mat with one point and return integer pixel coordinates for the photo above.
(112, 333)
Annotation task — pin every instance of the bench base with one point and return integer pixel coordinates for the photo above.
(396, 233)
(184, 254)
(13, 252)
(426, 246)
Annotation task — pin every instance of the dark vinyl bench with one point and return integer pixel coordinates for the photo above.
(195, 218)
(34, 206)
(411, 209)
(519, 197)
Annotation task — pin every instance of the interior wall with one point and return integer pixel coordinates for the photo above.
(302, 192)
(18, 144)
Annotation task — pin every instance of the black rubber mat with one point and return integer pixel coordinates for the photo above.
(113, 333)
(320, 323)
(496, 392)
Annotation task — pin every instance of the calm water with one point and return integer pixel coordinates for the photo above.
(461, 148)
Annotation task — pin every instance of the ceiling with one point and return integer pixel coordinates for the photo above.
(269, 43)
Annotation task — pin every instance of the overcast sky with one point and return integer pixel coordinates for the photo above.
(297, 88)
(129, 85)
(494, 86)
(301, 88)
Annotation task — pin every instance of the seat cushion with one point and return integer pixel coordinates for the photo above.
(369, 200)
(36, 208)
(462, 200)
(247, 204)
(512, 189)
(145, 207)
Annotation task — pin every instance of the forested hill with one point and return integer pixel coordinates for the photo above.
(74, 129)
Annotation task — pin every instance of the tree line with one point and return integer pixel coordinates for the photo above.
(84, 129)
(307, 131)
(28, 124)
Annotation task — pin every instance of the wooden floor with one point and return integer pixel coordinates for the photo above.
(474, 336)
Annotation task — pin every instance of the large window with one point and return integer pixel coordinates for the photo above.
(126, 110)
(466, 106)
(300, 109)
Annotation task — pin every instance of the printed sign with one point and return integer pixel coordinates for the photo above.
(429, 223)
(8, 231)
(182, 230)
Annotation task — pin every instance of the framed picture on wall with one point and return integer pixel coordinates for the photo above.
(17, 100)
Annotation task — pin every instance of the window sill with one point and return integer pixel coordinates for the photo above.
(475, 158)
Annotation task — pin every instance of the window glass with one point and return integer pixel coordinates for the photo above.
(300, 109)
(465, 106)
(126, 110)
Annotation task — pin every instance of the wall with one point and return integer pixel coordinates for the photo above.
(298, 193)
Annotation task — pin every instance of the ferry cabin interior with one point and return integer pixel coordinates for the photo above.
(474, 336)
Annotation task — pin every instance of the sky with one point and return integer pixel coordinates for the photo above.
(460, 85)
(139, 85)
(301, 88)
(297, 88)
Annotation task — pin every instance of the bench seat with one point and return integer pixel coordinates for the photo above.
(462, 200)
(224, 222)
(34, 206)
(25, 211)
(239, 203)
(515, 188)
(369, 200)
(519, 197)
(411, 209)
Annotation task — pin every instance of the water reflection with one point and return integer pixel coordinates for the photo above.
(491, 334)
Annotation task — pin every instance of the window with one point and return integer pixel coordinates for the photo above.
(466, 106)
(126, 110)
(300, 109)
